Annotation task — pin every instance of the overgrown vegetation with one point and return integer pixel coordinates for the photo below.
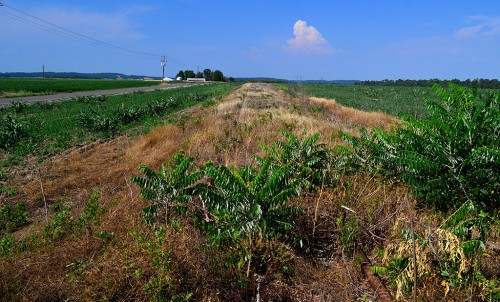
(451, 162)
(448, 159)
(239, 207)
(228, 221)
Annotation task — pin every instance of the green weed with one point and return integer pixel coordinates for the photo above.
(12, 217)
(11, 131)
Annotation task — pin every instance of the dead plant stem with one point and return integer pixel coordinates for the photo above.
(414, 252)
(43, 196)
(317, 205)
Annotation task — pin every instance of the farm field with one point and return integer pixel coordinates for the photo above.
(396, 101)
(228, 192)
(19, 87)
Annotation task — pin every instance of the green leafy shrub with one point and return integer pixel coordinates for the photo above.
(7, 244)
(309, 160)
(11, 131)
(239, 207)
(46, 105)
(19, 107)
(450, 161)
(198, 97)
(93, 121)
(62, 224)
(65, 222)
(447, 159)
(169, 188)
(91, 210)
(251, 202)
(242, 201)
(129, 115)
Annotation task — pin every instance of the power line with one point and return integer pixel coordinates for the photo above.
(58, 30)
(54, 28)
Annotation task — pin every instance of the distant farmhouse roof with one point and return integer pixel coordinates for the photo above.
(195, 79)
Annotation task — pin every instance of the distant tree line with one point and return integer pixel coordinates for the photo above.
(479, 83)
(208, 74)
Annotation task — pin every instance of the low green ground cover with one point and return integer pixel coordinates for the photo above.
(17, 87)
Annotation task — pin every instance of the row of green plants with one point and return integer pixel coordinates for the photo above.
(449, 160)
(94, 121)
(48, 127)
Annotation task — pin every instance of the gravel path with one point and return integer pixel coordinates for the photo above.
(5, 102)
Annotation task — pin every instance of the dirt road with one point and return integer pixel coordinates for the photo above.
(64, 96)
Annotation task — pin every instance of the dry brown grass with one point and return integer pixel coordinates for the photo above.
(228, 133)
(354, 118)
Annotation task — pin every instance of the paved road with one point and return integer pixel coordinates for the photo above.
(64, 96)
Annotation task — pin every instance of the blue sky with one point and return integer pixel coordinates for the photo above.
(330, 40)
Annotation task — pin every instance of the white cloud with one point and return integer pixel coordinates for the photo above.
(308, 40)
(485, 26)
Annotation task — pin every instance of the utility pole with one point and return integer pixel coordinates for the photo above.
(163, 63)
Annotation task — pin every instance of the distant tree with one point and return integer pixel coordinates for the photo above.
(181, 75)
(207, 74)
(189, 74)
(218, 76)
(199, 75)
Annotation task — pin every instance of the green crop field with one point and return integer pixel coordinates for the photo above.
(48, 127)
(396, 101)
(17, 87)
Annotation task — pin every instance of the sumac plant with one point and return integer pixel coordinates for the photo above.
(238, 203)
(308, 159)
(172, 187)
(448, 159)
(451, 161)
